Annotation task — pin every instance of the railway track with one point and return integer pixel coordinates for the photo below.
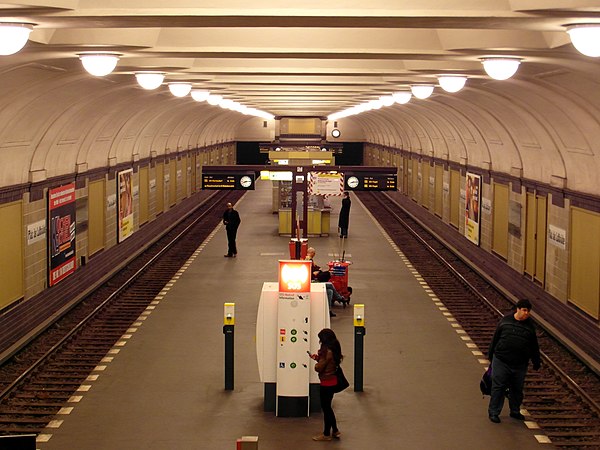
(39, 380)
(563, 397)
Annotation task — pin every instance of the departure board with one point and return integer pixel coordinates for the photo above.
(372, 182)
(228, 181)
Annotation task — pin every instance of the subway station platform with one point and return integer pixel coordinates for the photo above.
(162, 387)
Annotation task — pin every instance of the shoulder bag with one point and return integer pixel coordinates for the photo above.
(342, 382)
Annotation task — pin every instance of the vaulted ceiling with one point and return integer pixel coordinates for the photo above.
(303, 58)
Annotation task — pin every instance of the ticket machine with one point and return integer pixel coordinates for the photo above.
(291, 313)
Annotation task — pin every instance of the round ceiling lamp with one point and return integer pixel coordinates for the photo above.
(214, 99)
(402, 97)
(180, 88)
(422, 91)
(200, 95)
(387, 100)
(375, 104)
(501, 68)
(99, 64)
(150, 80)
(452, 83)
(586, 38)
(227, 104)
(13, 37)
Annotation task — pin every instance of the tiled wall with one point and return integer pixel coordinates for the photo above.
(557, 258)
(35, 259)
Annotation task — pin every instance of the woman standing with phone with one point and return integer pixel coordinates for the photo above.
(328, 359)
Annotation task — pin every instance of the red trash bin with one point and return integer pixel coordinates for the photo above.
(298, 248)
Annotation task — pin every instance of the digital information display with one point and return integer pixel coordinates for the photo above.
(371, 182)
(228, 181)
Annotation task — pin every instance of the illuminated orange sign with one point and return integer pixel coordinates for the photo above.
(294, 276)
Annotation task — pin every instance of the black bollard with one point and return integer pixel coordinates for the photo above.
(228, 331)
(359, 352)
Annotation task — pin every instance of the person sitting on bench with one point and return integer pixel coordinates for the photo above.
(323, 276)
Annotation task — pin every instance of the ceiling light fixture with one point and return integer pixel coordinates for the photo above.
(422, 91)
(387, 100)
(226, 104)
(180, 88)
(13, 37)
(150, 80)
(214, 99)
(586, 38)
(99, 64)
(501, 68)
(375, 104)
(200, 95)
(452, 83)
(402, 97)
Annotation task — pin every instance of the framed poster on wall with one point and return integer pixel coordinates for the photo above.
(472, 207)
(125, 204)
(61, 238)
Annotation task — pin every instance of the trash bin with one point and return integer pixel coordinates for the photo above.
(298, 248)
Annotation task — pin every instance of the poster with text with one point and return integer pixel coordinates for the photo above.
(61, 238)
(325, 183)
(472, 207)
(125, 203)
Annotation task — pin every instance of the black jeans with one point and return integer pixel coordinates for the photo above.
(231, 234)
(326, 395)
(505, 376)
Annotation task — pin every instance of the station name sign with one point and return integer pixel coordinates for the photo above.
(371, 182)
(239, 181)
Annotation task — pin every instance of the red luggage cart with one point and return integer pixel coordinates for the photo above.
(339, 278)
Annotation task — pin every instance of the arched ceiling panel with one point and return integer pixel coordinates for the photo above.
(301, 59)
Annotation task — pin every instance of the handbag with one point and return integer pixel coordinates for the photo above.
(342, 382)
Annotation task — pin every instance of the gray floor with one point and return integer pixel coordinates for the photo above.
(164, 389)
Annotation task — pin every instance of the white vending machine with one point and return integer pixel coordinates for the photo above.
(291, 313)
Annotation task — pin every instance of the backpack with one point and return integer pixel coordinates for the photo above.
(485, 385)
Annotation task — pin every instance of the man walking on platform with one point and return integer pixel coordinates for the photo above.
(513, 345)
(231, 220)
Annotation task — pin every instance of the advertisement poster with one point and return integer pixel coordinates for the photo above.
(472, 207)
(125, 204)
(61, 238)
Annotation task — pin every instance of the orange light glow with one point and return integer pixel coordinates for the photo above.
(294, 276)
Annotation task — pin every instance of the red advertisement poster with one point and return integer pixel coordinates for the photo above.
(61, 236)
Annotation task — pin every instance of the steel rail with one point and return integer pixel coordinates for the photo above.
(42, 359)
(547, 360)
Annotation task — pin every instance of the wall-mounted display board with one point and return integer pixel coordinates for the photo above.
(240, 181)
(371, 182)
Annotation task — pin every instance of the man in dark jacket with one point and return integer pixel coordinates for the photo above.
(344, 219)
(513, 345)
(231, 220)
